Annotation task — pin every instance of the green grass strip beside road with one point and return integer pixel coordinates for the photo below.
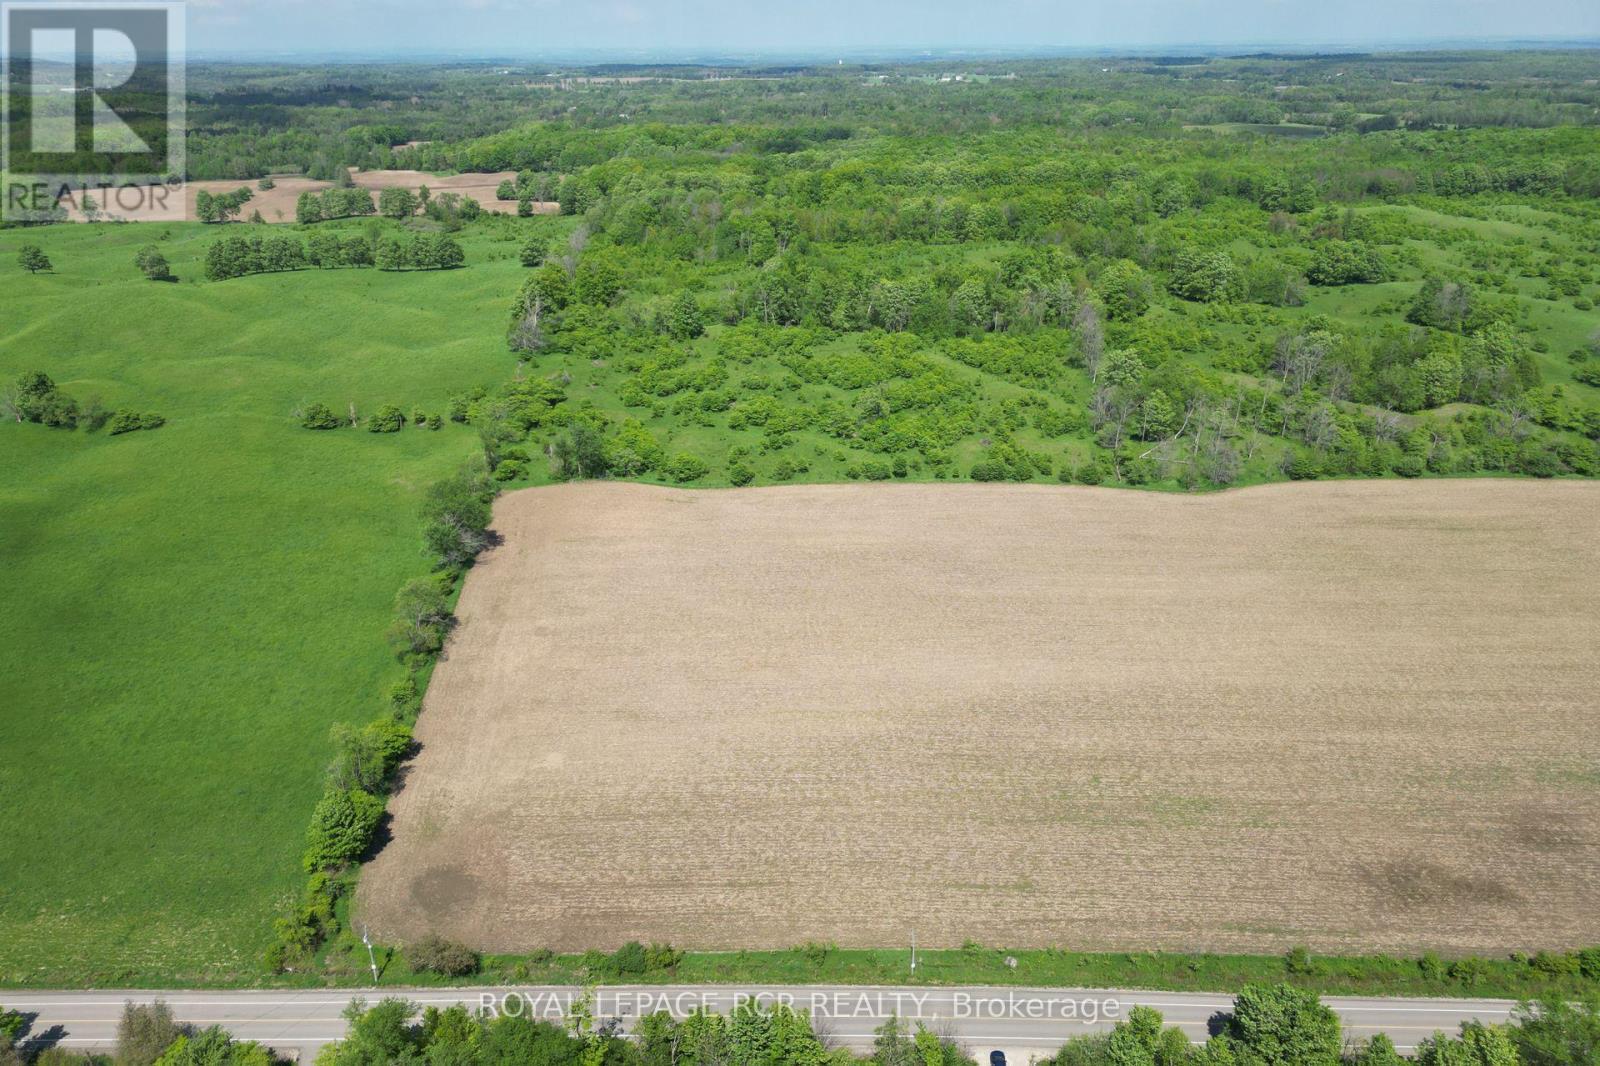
(1518, 977)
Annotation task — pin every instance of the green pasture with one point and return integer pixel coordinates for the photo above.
(190, 608)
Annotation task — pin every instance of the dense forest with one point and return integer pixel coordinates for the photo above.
(247, 121)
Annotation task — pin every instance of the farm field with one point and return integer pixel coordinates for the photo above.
(1350, 715)
(277, 205)
(205, 600)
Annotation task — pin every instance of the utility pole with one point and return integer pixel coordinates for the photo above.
(913, 951)
(371, 957)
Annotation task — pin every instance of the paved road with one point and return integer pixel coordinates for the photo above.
(1025, 1023)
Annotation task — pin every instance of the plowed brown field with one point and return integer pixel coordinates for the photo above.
(1353, 715)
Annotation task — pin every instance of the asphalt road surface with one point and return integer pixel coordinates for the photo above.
(1024, 1023)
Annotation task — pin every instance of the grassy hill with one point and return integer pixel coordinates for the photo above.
(189, 609)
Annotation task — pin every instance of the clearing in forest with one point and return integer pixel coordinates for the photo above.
(1353, 715)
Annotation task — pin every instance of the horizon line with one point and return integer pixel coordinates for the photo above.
(714, 54)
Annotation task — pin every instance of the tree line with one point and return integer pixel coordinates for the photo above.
(455, 517)
(34, 397)
(238, 256)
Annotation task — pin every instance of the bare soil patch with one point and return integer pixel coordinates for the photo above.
(275, 204)
(481, 187)
(278, 203)
(1358, 716)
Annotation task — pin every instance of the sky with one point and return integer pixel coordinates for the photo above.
(507, 28)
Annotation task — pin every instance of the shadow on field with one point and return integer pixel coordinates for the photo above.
(403, 772)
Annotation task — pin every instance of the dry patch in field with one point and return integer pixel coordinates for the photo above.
(1353, 715)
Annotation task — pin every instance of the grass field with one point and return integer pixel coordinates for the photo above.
(189, 609)
(1350, 715)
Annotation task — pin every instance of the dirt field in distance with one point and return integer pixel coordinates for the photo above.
(277, 204)
(1354, 715)
(481, 187)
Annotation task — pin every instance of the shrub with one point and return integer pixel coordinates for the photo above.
(11, 1026)
(1125, 290)
(341, 828)
(1378, 1051)
(403, 696)
(1137, 471)
(422, 618)
(684, 467)
(32, 258)
(1303, 467)
(215, 1047)
(684, 320)
(152, 263)
(581, 453)
(1205, 276)
(456, 515)
(145, 1031)
(1409, 466)
(388, 419)
(1589, 963)
(1009, 462)
(1554, 964)
(1298, 961)
(1469, 971)
(319, 416)
(130, 421)
(364, 758)
(661, 957)
(300, 932)
(510, 470)
(1346, 263)
(1537, 460)
(628, 960)
(434, 954)
(741, 475)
